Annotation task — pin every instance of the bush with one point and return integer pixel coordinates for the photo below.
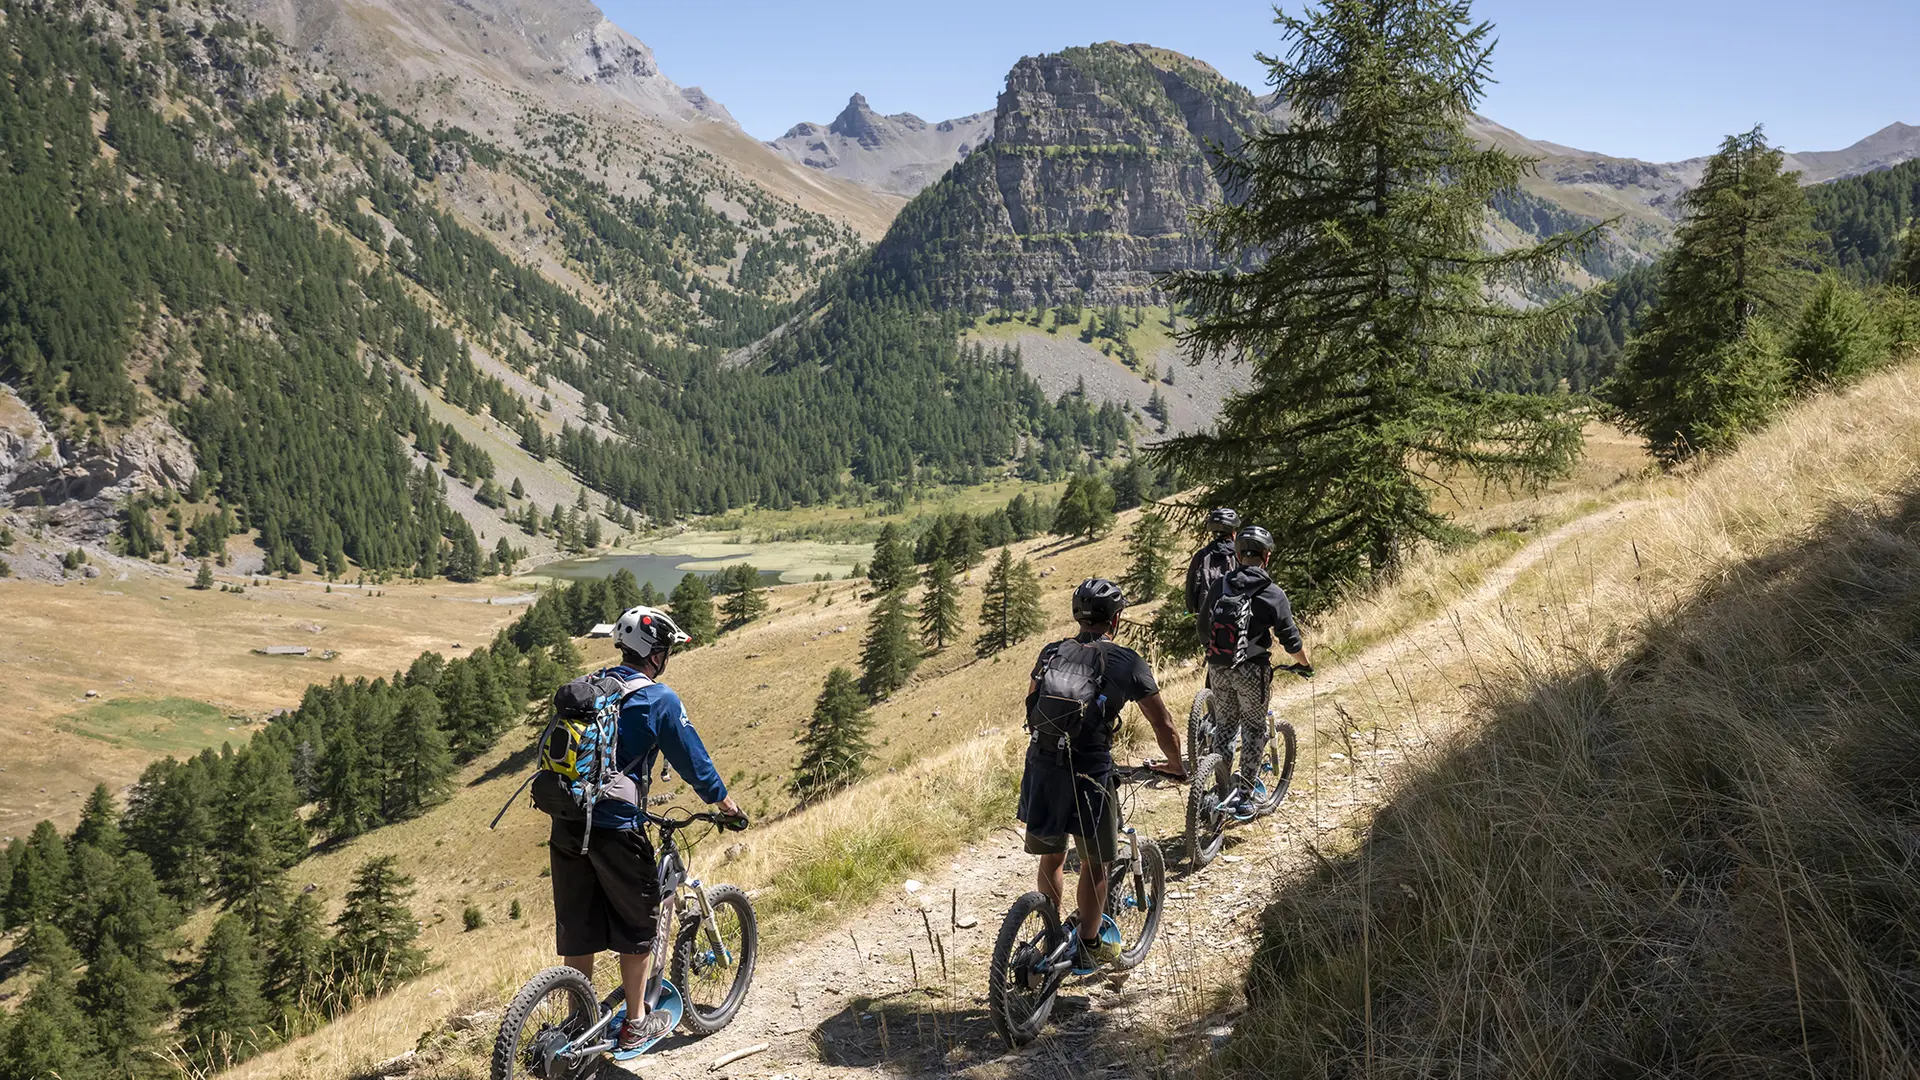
(74, 560)
(473, 919)
(513, 910)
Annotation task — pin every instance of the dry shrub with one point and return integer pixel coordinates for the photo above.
(1696, 861)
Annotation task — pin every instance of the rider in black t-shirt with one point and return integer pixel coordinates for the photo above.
(1070, 793)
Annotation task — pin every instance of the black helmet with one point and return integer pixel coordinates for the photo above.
(1097, 600)
(1223, 519)
(1253, 540)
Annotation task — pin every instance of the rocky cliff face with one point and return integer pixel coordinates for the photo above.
(1097, 161)
(81, 487)
(899, 154)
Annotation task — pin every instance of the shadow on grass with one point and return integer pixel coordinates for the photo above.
(512, 765)
(1699, 860)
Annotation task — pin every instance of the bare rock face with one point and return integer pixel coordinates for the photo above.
(1099, 157)
(81, 487)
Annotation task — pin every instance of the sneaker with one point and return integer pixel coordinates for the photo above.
(1100, 952)
(637, 1035)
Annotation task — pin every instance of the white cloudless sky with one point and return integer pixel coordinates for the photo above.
(1653, 79)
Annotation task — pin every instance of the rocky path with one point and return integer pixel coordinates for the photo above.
(901, 988)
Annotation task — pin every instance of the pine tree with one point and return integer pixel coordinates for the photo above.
(1704, 368)
(1010, 604)
(419, 766)
(1906, 270)
(1148, 561)
(126, 1001)
(50, 1035)
(504, 556)
(99, 825)
(1834, 340)
(962, 548)
(834, 748)
(1024, 617)
(892, 565)
(42, 878)
(204, 579)
(519, 490)
(887, 655)
(349, 786)
(261, 832)
(1369, 311)
(374, 935)
(297, 962)
(227, 1015)
(746, 599)
(939, 606)
(691, 605)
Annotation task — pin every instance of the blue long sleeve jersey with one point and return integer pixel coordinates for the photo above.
(654, 723)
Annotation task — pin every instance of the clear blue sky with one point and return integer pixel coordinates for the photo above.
(1654, 79)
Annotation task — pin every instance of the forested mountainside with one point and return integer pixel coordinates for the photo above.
(206, 236)
(1861, 220)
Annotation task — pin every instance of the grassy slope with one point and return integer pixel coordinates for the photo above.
(150, 638)
(947, 764)
(1676, 837)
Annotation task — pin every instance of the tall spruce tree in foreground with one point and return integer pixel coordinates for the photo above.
(834, 748)
(1369, 314)
(939, 606)
(691, 605)
(1706, 366)
(887, 656)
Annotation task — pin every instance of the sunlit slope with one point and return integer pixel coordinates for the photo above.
(1673, 838)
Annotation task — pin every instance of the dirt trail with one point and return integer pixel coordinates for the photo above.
(870, 996)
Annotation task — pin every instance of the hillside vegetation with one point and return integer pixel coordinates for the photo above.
(1672, 839)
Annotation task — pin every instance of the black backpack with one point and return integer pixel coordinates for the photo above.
(1230, 627)
(1070, 697)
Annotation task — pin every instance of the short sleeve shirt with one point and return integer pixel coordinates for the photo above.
(1126, 679)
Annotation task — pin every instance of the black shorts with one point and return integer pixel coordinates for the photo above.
(1058, 801)
(607, 899)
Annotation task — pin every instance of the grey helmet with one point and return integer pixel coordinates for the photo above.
(1253, 540)
(644, 631)
(1223, 520)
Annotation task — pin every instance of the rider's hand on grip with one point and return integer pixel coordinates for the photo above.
(735, 823)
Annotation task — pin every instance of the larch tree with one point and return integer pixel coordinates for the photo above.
(939, 606)
(691, 605)
(892, 565)
(1361, 294)
(374, 935)
(1707, 366)
(835, 745)
(1148, 559)
(887, 655)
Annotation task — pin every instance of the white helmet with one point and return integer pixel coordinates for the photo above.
(644, 631)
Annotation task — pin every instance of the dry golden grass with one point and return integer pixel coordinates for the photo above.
(1677, 837)
(947, 762)
(123, 640)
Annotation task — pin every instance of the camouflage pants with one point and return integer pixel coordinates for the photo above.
(1240, 696)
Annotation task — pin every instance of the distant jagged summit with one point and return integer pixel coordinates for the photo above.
(900, 153)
